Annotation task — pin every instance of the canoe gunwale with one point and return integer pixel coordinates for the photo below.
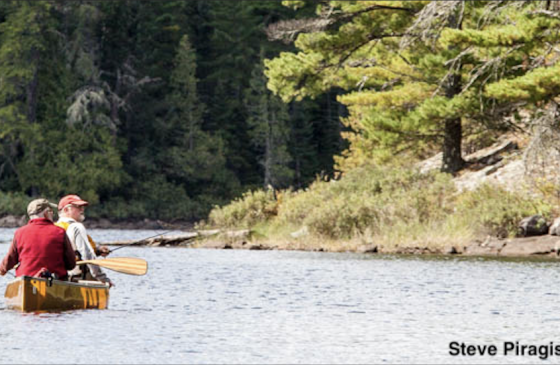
(81, 283)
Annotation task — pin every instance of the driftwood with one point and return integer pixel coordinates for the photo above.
(174, 240)
(184, 239)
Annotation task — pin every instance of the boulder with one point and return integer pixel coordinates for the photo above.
(450, 250)
(368, 248)
(555, 228)
(530, 246)
(534, 225)
(490, 247)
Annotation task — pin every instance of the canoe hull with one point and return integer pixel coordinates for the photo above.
(29, 294)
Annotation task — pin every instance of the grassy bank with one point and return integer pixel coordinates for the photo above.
(392, 208)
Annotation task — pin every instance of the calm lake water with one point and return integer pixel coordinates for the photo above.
(226, 306)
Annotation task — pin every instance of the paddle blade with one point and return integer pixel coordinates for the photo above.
(125, 265)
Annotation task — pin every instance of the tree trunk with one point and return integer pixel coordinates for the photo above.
(32, 89)
(268, 160)
(453, 130)
(268, 174)
(452, 159)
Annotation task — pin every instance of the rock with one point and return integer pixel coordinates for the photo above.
(555, 228)
(450, 250)
(530, 246)
(475, 250)
(12, 221)
(490, 156)
(490, 247)
(432, 163)
(535, 225)
(212, 244)
(370, 248)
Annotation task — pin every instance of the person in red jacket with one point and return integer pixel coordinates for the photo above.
(40, 246)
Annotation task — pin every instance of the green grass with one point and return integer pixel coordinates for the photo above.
(390, 207)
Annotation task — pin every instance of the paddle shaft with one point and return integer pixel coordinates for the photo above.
(125, 265)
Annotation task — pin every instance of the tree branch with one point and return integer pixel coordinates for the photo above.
(287, 30)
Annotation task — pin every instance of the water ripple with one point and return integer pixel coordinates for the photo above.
(227, 306)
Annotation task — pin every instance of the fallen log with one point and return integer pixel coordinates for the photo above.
(171, 240)
(183, 239)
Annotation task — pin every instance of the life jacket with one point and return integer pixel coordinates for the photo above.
(65, 225)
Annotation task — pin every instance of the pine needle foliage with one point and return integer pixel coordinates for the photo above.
(422, 75)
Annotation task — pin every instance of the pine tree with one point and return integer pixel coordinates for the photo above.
(513, 59)
(404, 88)
(268, 118)
(22, 43)
(192, 158)
(91, 96)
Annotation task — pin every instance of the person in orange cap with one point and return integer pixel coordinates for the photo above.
(71, 212)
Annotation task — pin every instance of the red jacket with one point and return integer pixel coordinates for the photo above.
(40, 244)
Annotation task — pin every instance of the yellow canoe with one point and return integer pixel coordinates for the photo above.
(30, 294)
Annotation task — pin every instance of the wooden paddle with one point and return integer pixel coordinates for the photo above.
(125, 265)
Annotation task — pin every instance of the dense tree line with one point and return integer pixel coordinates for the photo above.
(153, 108)
(163, 109)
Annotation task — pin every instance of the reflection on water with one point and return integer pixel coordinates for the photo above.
(227, 306)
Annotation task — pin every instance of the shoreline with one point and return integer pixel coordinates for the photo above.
(15, 221)
(545, 246)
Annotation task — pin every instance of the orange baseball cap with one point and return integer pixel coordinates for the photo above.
(71, 199)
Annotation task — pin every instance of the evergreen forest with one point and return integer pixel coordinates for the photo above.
(169, 109)
(152, 109)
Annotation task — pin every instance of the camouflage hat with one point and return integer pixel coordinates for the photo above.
(38, 205)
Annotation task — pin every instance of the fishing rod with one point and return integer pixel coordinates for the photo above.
(147, 238)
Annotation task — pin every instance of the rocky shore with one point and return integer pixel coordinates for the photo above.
(540, 246)
(545, 246)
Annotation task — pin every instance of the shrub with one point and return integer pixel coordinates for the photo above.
(387, 203)
(13, 203)
(495, 211)
(342, 216)
(369, 199)
(252, 208)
